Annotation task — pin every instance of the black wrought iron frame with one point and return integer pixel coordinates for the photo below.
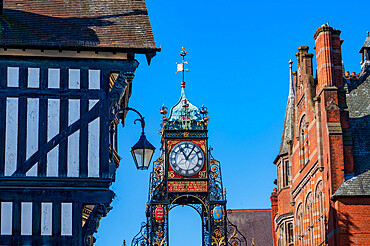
(214, 232)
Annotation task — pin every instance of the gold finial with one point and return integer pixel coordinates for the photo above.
(253, 242)
(183, 52)
(181, 66)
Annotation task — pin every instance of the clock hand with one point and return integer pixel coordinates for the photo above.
(183, 153)
(187, 157)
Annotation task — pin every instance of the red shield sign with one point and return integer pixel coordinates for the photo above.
(159, 213)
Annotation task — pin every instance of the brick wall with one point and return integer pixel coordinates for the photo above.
(353, 219)
(320, 155)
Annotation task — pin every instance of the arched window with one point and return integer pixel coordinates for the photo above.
(320, 210)
(286, 173)
(309, 212)
(281, 236)
(299, 225)
(303, 142)
(290, 234)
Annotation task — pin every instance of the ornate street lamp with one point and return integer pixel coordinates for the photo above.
(142, 151)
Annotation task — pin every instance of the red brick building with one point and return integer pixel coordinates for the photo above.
(323, 165)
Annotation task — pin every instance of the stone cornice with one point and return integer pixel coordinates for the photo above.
(326, 28)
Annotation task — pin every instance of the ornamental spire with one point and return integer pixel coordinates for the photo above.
(184, 110)
(291, 91)
(181, 68)
(288, 128)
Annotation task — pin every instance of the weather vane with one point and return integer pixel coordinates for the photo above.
(181, 66)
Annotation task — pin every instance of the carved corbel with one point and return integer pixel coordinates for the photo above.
(92, 223)
(118, 90)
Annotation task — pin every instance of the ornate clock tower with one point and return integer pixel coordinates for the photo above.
(187, 174)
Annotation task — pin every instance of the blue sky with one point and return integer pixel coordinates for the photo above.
(238, 55)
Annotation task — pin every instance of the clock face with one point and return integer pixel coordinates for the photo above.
(186, 158)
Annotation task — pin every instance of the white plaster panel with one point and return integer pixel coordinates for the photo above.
(33, 171)
(46, 218)
(13, 77)
(11, 136)
(73, 161)
(53, 130)
(32, 126)
(92, 103)
(73, 110)
(53, 117)
(32, 131)
(33, 77)
(54, 78)
(26, 218)
(93, 148)
(74, 79)
(52, 164)
(66, 216)
(94, 79)
(6, 218)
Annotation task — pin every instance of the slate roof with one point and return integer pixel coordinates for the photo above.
(288, 127)
(367, 43)
(83, 24)
(253, 223)
(356, 186)
(358, 101)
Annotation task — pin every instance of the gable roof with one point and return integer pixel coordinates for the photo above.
(356, 186)
(358, 101)
(366, 44)
(77, 24)
(253, 223)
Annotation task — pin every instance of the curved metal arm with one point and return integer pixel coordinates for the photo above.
(142, 121)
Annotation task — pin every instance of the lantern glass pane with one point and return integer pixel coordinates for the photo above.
(139, 157)
(148, 157)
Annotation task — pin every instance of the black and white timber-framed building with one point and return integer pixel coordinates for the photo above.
(66, 68)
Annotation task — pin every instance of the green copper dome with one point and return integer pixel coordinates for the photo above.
(183, 109)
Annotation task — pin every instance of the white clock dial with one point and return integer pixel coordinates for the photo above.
(186, 158)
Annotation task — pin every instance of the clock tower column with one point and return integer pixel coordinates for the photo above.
(187, 174)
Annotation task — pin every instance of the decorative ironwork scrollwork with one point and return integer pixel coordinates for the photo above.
(157, 189)
(235, 237)
(215, 180)
(159, 237)
(141, 239)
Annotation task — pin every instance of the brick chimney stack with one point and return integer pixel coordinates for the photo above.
(274, 211)
(305, 60)
(329, 57)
